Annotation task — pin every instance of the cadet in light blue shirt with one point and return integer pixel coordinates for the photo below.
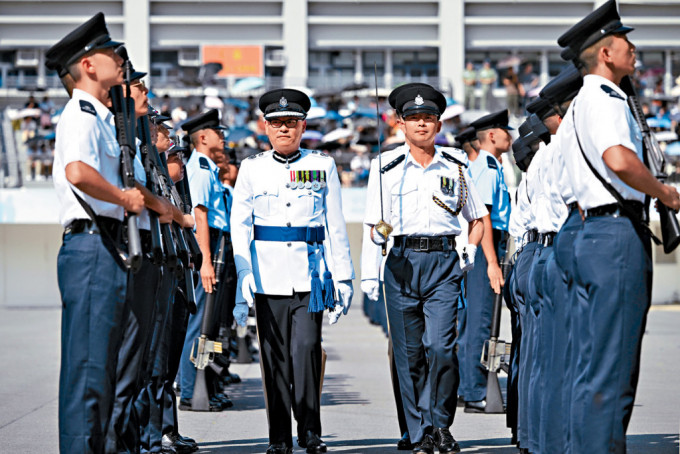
(486, 277)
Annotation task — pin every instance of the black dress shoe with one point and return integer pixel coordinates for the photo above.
(426, 446)
(224, 399)
(405, 443)
(279, 448)
(171, 443)
(185, 405)
(445, 441)
(188, 440)
(475, 407)
(312, 442)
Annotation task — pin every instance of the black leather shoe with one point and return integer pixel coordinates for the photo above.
(188, 440)
(279, 448)
(312, 442)
(426, 446)
(185, 405)
(475, 407)
(224, 399)
(405, 443)
(445, 441)
(171, 443)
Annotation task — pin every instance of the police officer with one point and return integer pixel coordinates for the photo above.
(599, 137)
(469, 142)
(423, 191)
(91, 280)
(212, 222)
(486, 278)
(288, 200)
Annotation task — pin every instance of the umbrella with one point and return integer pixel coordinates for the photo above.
(247, 84)
(673, 149)
(237, 134)
(334, 115)
(665, 136)
(452, 111)
(34, 112)
(507, 62)
(364, 112)
(316, 112)
(312, 135)
(241, 104)
(338, 134)
(654, 122)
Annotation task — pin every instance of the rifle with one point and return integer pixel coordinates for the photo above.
(194, 249)
(496, 354)
(654, 159)
(124, 114)
(157, 256)
(150, 157)
(203, 350)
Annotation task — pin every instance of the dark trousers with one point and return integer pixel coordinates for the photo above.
(537, 346)
(477, 326)
(290, 349)
(422, 290)
(187, 368)
(512, 390)
(149, 404)
(614, 265)
(563, 293)
(520, 283)
(123, 434)
(177, 335)
(92, 288)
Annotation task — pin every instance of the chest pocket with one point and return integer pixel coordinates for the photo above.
(404, 198)
(309, 202)
(266, 201)
(111, 147)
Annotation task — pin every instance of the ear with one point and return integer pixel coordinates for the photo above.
(605, 53)
(491, 136)
(304, 125)
(439, 126)
(87, 65)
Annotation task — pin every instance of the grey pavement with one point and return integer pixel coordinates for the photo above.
(358, 412)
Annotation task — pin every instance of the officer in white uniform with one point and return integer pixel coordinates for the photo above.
(423, 192)
(613, 252)
(289, 234)
(92, 280)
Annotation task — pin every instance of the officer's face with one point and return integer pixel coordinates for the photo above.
(502, 140)
(421, 129)
(622, 55)
(285, 139)
(163, 142)
(175, 168)
(139, 93)
(108, 67)
(215, 140)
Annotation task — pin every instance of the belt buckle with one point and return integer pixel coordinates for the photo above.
(423, 244)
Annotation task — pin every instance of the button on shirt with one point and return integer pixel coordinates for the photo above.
(487, 176)
(85, 133)
(207, 190)
(603, 120)
(264, 196)
(408, 191)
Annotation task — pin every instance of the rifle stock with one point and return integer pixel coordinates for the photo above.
(670, 229)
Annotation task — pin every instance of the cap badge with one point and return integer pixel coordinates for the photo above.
(283, 102)
(419, 100)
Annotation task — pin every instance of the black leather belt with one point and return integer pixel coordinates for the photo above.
(546, 239)
(111, 225)
(215, 234)
(531, 236)
(426, 243)
(572, 206)
(614, 209)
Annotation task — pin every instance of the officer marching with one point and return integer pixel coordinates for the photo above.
(288, 200)
(612, 254)
(421, 193)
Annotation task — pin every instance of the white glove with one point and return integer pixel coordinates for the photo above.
(248, 287)
(335, 314)
(371, 288)
(467, 259)
(345, 293)
(377, 238)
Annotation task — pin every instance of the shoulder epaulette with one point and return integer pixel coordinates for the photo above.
(452, 159)
(491, 162)
(393, 163)
(319, 153)
(611, 92)
(87, 106)
(203, 162)
(257, 155)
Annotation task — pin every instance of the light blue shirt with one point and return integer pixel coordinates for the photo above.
(207, 190)
(487, 176)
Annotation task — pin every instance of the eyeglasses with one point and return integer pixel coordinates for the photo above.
(140, 84)
(290, 123)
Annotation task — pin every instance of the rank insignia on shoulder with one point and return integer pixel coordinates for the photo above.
(491, 162)
(307, 179)
(394, 163)
(87, 106)
(448, 157)
(611, 92)
(203, 162)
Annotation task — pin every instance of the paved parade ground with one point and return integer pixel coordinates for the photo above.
(357, 412)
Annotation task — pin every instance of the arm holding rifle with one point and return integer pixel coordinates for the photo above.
(88, 180)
